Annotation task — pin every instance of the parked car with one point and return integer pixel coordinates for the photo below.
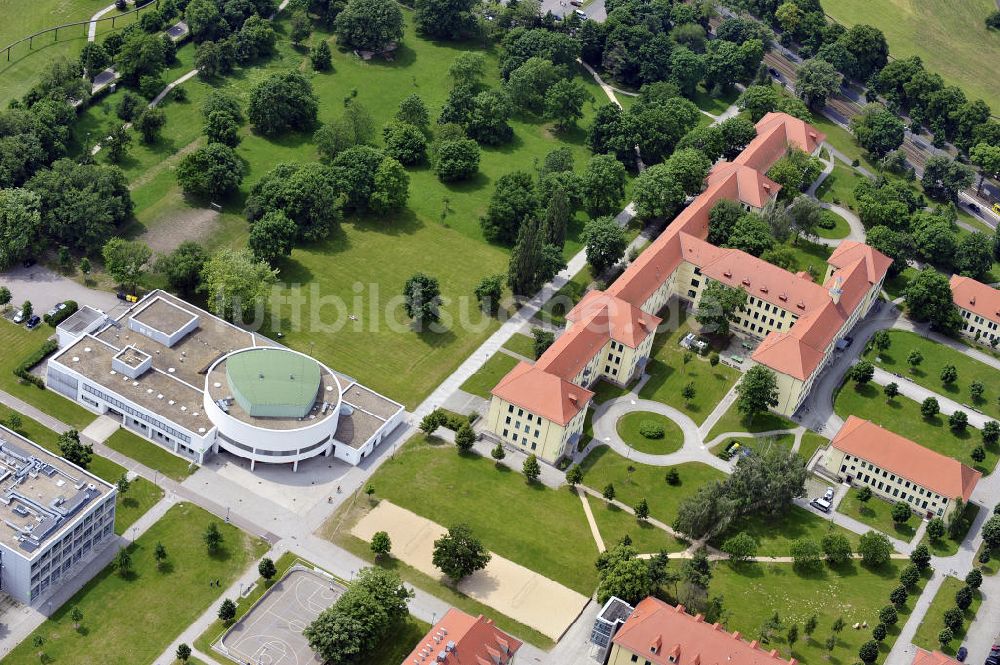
(582, 14)
(961, 654)
(828, 495)
(19, 316)
(974, 208)
(849, 340)
(576, 3)
(773, 72)
(34, 321)
(821, 504)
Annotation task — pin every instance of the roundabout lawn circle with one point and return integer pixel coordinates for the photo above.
(628, 427)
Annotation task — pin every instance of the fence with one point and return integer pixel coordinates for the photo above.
(55, 30)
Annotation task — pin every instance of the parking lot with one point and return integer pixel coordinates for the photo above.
(271, 632)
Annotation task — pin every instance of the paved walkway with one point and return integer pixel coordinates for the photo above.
(918, 394)
(92, 26)
(598, 540)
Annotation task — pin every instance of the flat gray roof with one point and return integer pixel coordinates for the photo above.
(163, 315)
(42, 494)
(80, 320)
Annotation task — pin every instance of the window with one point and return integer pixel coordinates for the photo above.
(520, 412)
(695, 283)
(691, 293)
(510, 408)
(513, 438)
(507, 421)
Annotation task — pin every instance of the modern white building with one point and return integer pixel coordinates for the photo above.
(193, 383)
(56, 517)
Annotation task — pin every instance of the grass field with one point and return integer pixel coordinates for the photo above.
(948, 546)
(494, 369)
(556, 309)
(808, 256)
(604, 466)
(26, 63)
(928, 373)
(134, 618)
(927, 632)
(614, 524)
(752, 593)
(953, 43)
(895, 286)
(368, 260)
(18, 342)
(876, 513)
(668, 374)
(150, 454)
(840, 229)
(521, 344)
(902, 416)
(141, 496)
(628, 427)
(733, 421)
(774, 537)
(492, 500)
(838, 188)
(811, 441)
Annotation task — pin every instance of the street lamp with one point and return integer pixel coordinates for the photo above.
(134, 529)
(227, 514)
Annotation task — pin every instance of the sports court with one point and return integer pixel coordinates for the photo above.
(271, 632)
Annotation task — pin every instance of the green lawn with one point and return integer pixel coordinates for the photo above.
(895, 285)
(902, 415)
(808, 256)
(840, 229)
(784, 440)
(953, 43)
(876, 513)
(494, 369)
(927, 633)
(717, 103)
(18, 343)
(733, 421)
(775, 536)
(468, 488)
(439, 233)
(928, 373)
(133, 619)
(521, 344)
(811, 442)
(752, 593)
(614, 524)
(142, 494)
(603, 466)
(838, 188)
(948, 546)
(555, 310)
(22, 70)
(668, 375)
(629, 425)
(150, 454)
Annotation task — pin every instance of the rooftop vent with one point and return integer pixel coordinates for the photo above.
(86, 349)
(171, 370)
(783, 297)
(76, 359)
(727, 273)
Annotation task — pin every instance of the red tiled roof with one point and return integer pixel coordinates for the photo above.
(615, 313)
(976, 297)
(761, 279)
(681, 639)
(776, 132)
(755, 188)
(626, 323)
(937, 658)
(896, 454)
(464, 640)
(542, 393)
(786, 354)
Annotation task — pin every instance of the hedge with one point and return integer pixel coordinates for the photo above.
(23, 370)
(62, 314)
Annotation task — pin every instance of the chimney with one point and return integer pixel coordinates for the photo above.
(837, 290)
(972, 300)
(572, 397)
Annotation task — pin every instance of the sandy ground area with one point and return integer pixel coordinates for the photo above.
(511, 589)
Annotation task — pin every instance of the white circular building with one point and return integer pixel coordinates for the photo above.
(273, 405)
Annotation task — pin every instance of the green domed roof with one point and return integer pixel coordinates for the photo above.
(273, 383)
